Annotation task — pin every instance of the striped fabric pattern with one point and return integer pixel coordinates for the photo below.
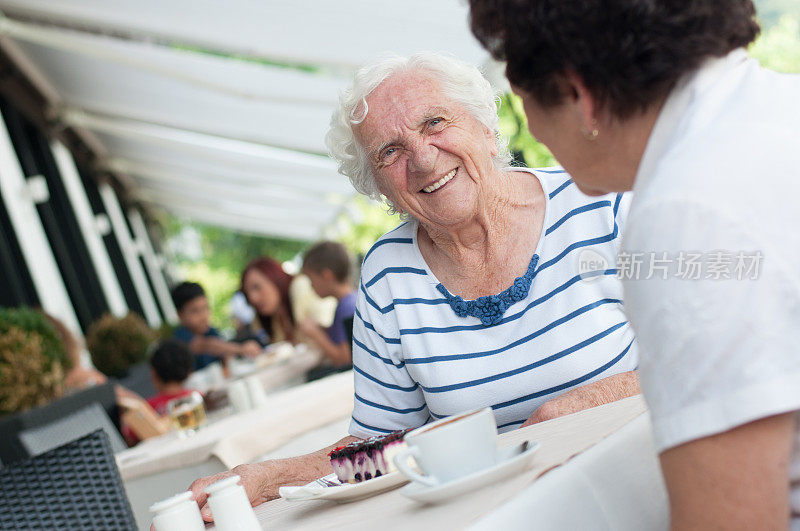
(415, 360)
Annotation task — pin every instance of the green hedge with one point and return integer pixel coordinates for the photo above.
(31, 320)
(116, 343)
(32, 360)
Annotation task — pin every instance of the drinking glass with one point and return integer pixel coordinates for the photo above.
(187, 412)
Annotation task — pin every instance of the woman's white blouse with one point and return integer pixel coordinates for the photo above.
(716, 212)
(416, 360)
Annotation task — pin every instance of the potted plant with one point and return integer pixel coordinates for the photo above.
(32, 320)
(117, 343)
(32, 360)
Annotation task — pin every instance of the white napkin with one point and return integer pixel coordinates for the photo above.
(305, 492)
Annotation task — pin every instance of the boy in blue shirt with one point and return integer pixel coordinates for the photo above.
(327, 265)
(203, 340)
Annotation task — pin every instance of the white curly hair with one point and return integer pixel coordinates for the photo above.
(461, 82)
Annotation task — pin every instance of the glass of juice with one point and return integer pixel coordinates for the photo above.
(187, 412)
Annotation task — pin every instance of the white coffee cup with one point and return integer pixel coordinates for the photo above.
(450, 448)
(178, 513)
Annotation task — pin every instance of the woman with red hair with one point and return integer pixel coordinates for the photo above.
(266, 286)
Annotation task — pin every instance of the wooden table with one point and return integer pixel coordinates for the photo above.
(561, 439)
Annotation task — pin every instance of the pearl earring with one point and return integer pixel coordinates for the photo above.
(593, 134)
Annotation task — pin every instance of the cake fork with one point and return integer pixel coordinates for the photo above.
(327, 483)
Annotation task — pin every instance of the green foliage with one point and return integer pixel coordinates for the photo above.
(514, 127)
(371, 222)
(778, 47)
(118, 343)
(29, 376)
(30, 320)
(250, 59)
(241, 248)
(231, 250)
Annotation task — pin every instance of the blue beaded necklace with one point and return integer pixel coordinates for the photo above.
(490, 308)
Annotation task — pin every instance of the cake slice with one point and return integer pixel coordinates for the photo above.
(367, 459)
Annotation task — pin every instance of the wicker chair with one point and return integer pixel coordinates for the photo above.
(75, 486)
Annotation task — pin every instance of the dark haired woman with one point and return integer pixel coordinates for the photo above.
(660, 97)
(266, 287)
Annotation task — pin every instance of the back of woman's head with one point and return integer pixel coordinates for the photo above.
(629, 53)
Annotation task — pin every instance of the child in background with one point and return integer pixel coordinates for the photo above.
(171, 363)
(327, 265)
(306, 304)
(203, 340)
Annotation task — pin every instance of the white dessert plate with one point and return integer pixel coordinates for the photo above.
(511, 460)
(329, 488)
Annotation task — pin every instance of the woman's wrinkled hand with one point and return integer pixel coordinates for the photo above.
(255, 480)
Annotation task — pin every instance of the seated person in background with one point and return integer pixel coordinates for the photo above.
(266, 286)
(327, 265)
(170, 365)
(244, 321)
(306, 304)
(202, 339)
(82, 374)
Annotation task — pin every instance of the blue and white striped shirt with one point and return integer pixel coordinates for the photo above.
(415, 360)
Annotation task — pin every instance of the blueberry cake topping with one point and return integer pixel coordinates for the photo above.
(367, 459)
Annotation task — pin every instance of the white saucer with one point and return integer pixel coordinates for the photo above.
(347, 492)
(510, 461)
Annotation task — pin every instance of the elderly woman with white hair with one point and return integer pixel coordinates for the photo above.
(482, 297)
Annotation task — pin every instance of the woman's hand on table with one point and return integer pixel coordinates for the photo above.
(261, 481)
(256, 480)
(595, 394)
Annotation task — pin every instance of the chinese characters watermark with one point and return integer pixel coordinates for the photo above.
(690, 265)
(683, 265)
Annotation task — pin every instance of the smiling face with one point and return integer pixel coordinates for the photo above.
(430, 157)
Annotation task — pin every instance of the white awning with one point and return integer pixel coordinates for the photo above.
(219, 139)
(343, 33)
